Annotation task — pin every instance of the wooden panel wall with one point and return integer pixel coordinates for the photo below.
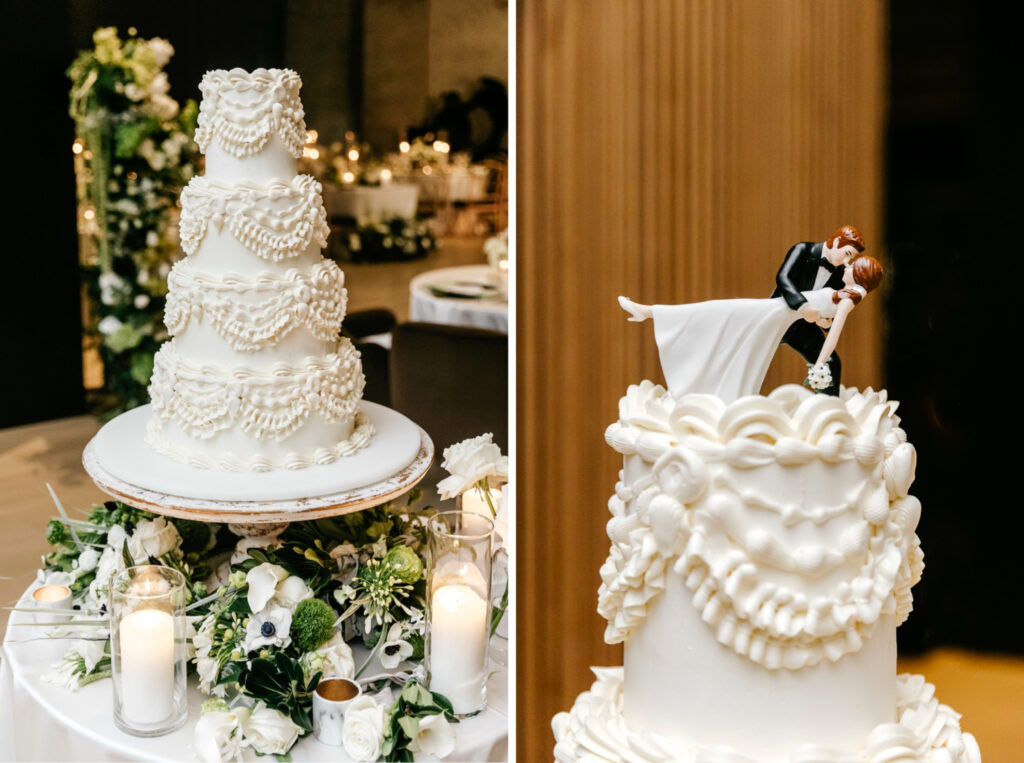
(671, 151)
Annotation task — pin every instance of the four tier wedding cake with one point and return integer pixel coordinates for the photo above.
(256, 376)
(763, 554)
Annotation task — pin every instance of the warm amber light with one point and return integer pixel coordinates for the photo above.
(77, 147)
(348, 177)
(353, 154)
(385, 174)
(89, 214)
(441, 147)
(404, 146)
(311, 136)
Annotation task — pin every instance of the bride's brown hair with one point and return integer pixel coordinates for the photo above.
(867, 272)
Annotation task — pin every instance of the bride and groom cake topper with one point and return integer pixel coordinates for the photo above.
(724, 347)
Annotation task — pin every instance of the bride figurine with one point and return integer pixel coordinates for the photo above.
(724, 347)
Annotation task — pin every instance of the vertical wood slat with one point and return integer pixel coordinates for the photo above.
(670, 151)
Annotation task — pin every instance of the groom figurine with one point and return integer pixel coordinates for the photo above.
(814, 266)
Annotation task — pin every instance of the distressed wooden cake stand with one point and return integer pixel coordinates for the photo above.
(258, 503)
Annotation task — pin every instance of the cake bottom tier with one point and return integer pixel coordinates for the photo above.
(925, 730)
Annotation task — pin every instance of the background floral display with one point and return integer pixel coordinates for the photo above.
(133, 154)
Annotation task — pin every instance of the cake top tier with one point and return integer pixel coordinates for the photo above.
(242, 111)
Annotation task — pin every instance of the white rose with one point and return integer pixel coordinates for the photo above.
(337, 658)
(153, 538)
(217, 735)
(291, 591)
(56, 578)
(269, 731)
(87, 561)
(363, 733)
(110, 563)
(470, 461)
(263, 581)
(436, 737)
(270, 627)
(116, 536)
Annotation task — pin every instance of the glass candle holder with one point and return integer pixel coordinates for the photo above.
(475, 500)
(147, 645)
(459, 608)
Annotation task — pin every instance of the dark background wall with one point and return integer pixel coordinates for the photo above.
(954, 243)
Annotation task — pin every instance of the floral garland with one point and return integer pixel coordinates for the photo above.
(133, 154)
(265, 629)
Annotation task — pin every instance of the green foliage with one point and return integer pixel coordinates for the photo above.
(57, 534)
(278, 680)
(312, 624)
(194, 535)
(401, 725)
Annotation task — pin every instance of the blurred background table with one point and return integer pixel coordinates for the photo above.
(364, 203)
(473, 296)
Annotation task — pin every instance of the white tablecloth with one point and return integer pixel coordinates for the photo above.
(42, 721)
(490, 313)
(365, 202)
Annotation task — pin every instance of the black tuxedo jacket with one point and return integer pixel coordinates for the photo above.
(798, 272)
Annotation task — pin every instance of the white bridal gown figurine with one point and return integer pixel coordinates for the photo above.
(723, 347)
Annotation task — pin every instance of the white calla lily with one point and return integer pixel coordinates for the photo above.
(436, 737)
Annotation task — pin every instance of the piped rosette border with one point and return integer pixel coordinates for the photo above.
(253, 313)
(595, 730)
(203, 401)
(241, 110)
(684, 514)
(275, 221)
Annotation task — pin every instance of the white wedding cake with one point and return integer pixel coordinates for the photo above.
(763, 554)
(256, 377)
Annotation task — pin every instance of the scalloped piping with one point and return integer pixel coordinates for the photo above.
(276, 221)
(205, 401)
(243, 126)
(362, 433)
(596, 730)
(656, 524)
(315, 300)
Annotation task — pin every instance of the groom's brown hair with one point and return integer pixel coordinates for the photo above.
(848, 236)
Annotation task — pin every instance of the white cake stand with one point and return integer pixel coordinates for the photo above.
(122, 465)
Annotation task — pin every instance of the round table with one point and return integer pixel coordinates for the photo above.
(368, 202)
(43, 721)
(429, 302)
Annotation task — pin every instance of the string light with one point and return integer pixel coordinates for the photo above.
(89, 214)
(87, 154)
(385, 174)
(311, 136)
(77, 147)
(311, 153)
(404, 146)
(441, 147)
(353, 154)
(349, 177)
(427, 170)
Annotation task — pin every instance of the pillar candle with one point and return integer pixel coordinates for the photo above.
(473, 500)
(458, 646)
(147, 666)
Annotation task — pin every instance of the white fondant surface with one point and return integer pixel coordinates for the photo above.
(681, 683)
(121, 450)
(272, 163)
